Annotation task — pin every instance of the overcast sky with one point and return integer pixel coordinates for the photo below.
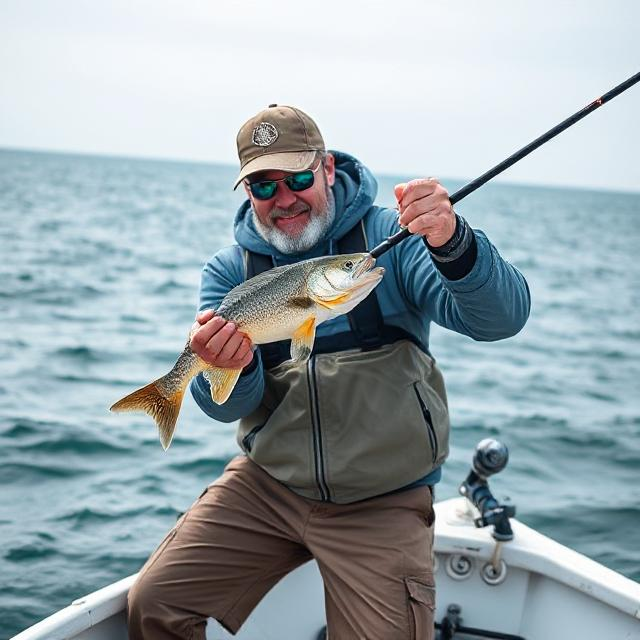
(410, 87)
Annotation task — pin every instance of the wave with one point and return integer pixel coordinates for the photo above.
(85, 354)
(29, 552)
(84, 447)
(28, 473)
(134, 319)
(87, 516)
(21, 428)
(205, 466)
(50, 437)
(608, 534)
(586, 440)
(578, 520)
(62, 297)
(169, 286)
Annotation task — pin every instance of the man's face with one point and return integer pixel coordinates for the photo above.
(294, 221)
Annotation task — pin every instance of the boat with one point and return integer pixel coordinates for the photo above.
(495, 578)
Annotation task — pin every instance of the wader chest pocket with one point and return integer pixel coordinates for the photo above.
(247, 441)
(426, 414)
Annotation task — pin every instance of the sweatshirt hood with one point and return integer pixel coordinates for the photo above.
(354, 191)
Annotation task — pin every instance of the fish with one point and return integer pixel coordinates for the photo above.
(286, 302)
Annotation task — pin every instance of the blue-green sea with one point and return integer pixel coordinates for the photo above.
(100, 262)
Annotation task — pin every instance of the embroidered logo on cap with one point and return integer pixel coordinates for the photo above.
(264, 134)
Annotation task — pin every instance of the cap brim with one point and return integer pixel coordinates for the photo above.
(283, 161)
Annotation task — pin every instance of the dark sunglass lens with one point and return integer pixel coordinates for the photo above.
(263, 190)
(300, 181)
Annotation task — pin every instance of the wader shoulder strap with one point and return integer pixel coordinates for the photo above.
(256, 263)
(365, 319)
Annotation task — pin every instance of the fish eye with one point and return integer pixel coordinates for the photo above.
(348, 265)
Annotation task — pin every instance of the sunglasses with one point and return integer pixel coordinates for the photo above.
(266, 189)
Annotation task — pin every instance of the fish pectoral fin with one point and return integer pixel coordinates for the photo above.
(330, 302)
(222, 382)
(302, 340)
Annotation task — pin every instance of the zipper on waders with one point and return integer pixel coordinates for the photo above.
(426, 414)
(318, 453)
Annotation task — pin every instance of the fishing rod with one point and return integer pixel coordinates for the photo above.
(393, 240)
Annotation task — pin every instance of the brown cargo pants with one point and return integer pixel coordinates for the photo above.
(247, 531)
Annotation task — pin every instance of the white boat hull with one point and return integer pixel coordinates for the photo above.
(549, 592)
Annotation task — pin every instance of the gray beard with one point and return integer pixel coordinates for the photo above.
(319, 223)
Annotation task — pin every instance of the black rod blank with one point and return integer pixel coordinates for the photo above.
(393, 240)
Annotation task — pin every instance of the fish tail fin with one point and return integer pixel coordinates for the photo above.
(222, 382)
(164, 409)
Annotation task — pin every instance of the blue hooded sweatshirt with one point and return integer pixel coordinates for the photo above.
(491, 302)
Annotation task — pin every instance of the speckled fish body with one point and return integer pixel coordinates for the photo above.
(283, 303)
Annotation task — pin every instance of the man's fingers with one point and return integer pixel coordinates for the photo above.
(228, 351)
(201, 319)
(398, 191)
(204, 316)
(220, 344)
(246, 360)
(424, 207)
(417, 189)
(241, 356)
(206, 331)
(423, 225)
(244, 349)
(215, 345)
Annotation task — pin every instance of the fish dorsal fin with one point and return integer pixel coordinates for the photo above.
(222, 382)
(302, 340)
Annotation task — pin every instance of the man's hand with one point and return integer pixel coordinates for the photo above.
(425, 209)
(219, 343)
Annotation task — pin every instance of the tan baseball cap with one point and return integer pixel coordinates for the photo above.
(281, 138)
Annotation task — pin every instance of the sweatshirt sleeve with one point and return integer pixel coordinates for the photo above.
(223, 272)
(491, 302)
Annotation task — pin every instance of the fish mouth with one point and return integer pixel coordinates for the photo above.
(366, 273)
(367, 264)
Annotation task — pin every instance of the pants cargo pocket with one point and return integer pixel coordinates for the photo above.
(422, 603)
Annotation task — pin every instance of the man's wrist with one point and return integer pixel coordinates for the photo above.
(456, 258)
(456, 245)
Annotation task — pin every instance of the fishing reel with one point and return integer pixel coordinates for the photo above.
(490, 457)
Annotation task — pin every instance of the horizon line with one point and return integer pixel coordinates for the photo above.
(166, 159)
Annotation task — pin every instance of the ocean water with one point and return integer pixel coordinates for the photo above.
(99, 273)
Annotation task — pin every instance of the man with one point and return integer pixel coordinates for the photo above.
(341, 454)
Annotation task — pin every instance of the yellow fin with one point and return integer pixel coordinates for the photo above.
(222, 382)
(162, 409)
(331, 303)
(302, 340)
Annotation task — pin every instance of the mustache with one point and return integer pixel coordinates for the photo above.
(293, 210)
